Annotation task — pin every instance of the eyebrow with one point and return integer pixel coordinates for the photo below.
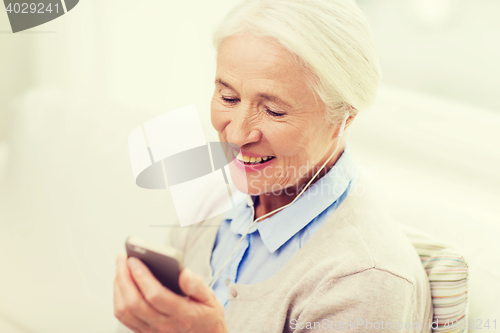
(272, 98)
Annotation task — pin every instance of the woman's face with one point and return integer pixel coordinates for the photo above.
(263, 104)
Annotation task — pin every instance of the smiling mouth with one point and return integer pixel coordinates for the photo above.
(250, 160)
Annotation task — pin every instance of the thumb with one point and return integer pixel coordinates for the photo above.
(194, 287)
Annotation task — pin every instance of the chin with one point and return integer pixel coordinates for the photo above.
(246, 189)
(243, 183)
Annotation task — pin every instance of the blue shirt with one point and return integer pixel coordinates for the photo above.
(272, 242)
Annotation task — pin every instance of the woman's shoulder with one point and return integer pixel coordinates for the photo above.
(362, 235)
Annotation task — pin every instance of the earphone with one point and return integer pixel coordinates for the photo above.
(250, 203)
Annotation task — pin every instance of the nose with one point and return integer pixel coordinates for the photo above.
(243, 127)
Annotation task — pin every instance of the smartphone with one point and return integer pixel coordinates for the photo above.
(164, 262)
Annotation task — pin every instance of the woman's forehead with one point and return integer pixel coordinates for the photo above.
(249, 61)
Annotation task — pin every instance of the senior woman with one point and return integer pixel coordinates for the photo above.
(290, 75)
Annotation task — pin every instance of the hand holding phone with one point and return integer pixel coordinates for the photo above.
(164, 262)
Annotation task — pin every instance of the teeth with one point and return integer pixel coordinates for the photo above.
(251, 159)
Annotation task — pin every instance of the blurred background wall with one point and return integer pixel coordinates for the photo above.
(72, 90)
(447, 48)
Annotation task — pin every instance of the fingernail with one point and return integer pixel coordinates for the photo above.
(132, 263)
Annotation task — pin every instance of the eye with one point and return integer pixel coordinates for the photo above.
(274, 114)
(229, 100)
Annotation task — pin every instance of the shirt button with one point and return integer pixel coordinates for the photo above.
(233, 292)
(227, 282)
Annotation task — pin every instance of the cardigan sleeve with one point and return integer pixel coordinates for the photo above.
(371, 300)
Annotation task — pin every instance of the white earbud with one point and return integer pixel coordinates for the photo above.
(342, 126)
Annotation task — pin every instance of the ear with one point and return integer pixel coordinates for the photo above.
(337, 126)
(350, 120)
(352, 114)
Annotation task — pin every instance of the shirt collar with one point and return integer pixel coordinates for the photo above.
(279, 228)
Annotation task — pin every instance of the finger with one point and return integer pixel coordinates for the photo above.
(123, 315)
(160, 298)
(193, 286)
(132, 298)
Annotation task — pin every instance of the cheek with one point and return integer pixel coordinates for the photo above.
(217, 116)
(298, 147)
(289, 144)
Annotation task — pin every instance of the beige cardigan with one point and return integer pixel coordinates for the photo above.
(359, 268)
(357, 273)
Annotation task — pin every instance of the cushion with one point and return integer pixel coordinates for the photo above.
(447, 271)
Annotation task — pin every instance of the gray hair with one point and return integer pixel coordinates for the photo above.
(329, 38)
